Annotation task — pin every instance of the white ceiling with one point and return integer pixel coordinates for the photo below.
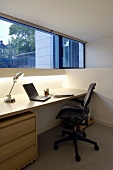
(84, 19)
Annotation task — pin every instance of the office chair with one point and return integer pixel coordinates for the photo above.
(72, 117)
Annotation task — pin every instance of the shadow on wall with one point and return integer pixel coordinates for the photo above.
(46, 116)
(102, 108)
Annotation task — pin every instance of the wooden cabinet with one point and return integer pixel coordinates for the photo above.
(18, 141)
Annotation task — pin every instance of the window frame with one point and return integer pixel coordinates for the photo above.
(40, 28)
(61, 55)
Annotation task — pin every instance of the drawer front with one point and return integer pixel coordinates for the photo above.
(20, 160)
(16, 118)
(16, 146)
(16, 130)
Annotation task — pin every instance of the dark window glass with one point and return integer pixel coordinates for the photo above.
(73, 54)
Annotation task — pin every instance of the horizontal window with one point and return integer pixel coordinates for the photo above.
(23, 46)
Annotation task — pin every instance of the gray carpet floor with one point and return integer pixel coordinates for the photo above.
(64, 157)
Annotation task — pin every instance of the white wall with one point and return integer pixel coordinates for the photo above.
(102, 101)
(46, 116)
(99, 53)
(42, 78)
(99, 63)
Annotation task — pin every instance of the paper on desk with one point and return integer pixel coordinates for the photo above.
(58, 95)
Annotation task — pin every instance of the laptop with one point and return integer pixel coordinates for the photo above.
(33, 94)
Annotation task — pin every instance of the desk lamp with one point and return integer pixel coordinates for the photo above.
(9, 99)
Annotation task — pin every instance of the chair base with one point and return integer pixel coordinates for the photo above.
(74, 136)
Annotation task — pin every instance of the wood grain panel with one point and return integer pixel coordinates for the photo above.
(16, 130)
(20, 160)
(16, 146)
(15, 119)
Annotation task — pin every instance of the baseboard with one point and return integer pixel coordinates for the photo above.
(103, 122)
(47, 127)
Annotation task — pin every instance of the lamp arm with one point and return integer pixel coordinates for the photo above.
(12, 88)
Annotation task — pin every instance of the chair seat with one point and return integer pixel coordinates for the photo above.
(71, 112)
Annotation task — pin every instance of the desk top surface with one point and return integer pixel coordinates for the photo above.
(23, 103)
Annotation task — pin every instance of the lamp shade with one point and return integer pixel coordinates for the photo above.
(18, 75)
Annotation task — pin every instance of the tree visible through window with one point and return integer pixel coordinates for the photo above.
(20, 49)
(23, 38)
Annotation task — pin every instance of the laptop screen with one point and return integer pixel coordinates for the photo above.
(30, 90)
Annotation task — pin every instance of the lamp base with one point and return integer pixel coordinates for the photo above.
(9, 99)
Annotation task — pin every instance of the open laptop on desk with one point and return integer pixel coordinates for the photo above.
(33, 94)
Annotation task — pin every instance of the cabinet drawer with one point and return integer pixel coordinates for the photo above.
(16, 118)
(16, 146)
(16, 130)
(20, 160)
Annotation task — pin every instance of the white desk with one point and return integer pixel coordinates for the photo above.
(23, 103)
(18, 132)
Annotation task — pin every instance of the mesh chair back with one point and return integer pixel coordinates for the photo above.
(89, 94)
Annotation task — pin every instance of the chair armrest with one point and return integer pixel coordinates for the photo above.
(80, 101)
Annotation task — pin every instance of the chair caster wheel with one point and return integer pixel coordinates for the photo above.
(96, 147)
(55, 147)
(84, 134)
(77, 158)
